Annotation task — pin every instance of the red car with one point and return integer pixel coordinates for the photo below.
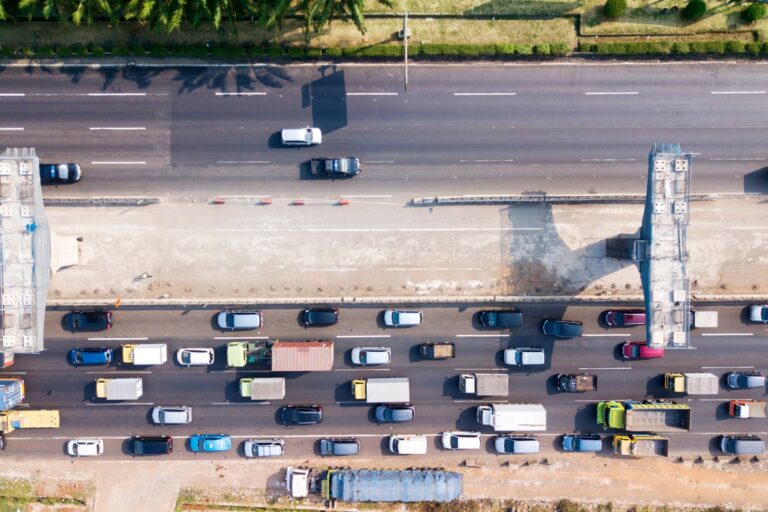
(619, 318)
(639, 350)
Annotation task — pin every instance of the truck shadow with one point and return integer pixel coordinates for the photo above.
(654, 387)
(584, 420)
(451, 388)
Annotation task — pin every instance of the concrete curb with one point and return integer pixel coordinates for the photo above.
(542, 198)
(100, 201)
(384, 301)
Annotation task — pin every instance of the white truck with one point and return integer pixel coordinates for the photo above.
(484, 384)
(270, 388)
(703, 319)
(128, 388)
(145, 354)
(387, 390)
(692, 383)
(513, 417)
(297, 482)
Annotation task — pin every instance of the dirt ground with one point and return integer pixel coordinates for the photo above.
(614, 484)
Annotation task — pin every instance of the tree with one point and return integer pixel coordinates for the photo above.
(614, 8)
(696, 9)
(754, 12)
(316, 13)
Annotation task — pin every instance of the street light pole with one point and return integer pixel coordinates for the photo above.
(405, 38)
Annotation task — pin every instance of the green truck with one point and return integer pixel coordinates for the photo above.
(644, 416)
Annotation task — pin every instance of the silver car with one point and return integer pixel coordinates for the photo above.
(239, 320)
(273, 447)
(171, 415)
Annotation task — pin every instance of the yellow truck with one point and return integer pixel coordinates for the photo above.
(17, 419)
(387, 390)
(145, 354)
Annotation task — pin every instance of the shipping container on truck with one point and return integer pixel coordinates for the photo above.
(645, 416)
(23, 419)
(145, 354)
(513, 417)
(640, 445)
(269, 388)
(387, 390)
(484, 384)
(692, 383)
(11, 392)
(127, 388)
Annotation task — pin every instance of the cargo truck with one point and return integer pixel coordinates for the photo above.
(270, 388)
(11, 393)
(747, 408)
(645, 416)
(433, 351)
(640, 445)
(18, 419)
(484, 384)
(691, 383)
(282, 356)
(297, 482)
(145, 354)
(128, 388)
(387, 390)
(391, 485)
(569, 383)
(513, 417)
(703, 319)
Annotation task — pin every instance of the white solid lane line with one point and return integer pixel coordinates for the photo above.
(242, 162)
(482, 335)
(485, 94)
(726, 367)
(372, 94)
(11, 129)
(484, 161)
(241, 338)
(379, 162)
(364, 336)
(366, 197)
(121, 404)
(12, 94)
(609, 368)
(607, 335)
(118, 339)
(737, 159)
(494, 369)
(612, 93)
(241, 94)
(98, 128)
(98, 94)
(607, 159)
(727, 334)
(255, 402)
(138, 162)
(738, 92)
(121, 371)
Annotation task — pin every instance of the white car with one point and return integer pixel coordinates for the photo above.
(307, 136)
(85, 447)
(371, 355)
(402, 318)
(758, 314)
(195, 356)
(460, 440)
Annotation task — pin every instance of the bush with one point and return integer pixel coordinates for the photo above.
(612, 48)
(524, 49)
(753, 48)
(158, 50)
(97, 51)
(314, 53)
(227, 51)
(696, 9)
(295, 52)
(681, 48)
(764, 49)
(717, 47)
(758, 35)
(275, 51)
(27, 52)
(698, 47)
(334, 52)
(433, 49)
(559, 49)
(735, 47)
(541, 49)
(44, 52)
(614, 8)
(754, 12)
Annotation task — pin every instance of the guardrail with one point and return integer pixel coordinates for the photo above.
(100, 201)
(541, 198)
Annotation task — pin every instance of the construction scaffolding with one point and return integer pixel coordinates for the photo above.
(25, 250)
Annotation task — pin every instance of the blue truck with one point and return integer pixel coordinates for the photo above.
(11, 393)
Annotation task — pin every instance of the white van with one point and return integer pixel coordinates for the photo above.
(307, 136)
(408, 445)
(402, 318)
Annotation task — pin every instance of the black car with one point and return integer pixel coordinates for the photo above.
(88, 321)
(150, 445)
(562, 328)
(501, 319)
(312, 317)
(59, 173)
(301, 414)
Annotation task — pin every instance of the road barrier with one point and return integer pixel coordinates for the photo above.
(541, 198)
(100, 201)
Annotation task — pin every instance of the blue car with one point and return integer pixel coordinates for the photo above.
(210, 443)
(95, 356)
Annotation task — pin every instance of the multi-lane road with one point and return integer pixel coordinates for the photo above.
(199, 132)
(212, 392)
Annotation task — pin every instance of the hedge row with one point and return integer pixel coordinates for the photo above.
(678, 48)
(293, 52)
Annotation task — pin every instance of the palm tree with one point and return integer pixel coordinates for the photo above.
(49, 8)
(164, 16)
(317, 13)
(87, 10)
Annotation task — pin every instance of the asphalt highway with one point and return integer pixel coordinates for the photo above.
(193, 132)
(212, 393)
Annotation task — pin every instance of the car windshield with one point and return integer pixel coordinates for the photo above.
(454, 442)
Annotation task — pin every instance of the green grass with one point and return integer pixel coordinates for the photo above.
(484, 7)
